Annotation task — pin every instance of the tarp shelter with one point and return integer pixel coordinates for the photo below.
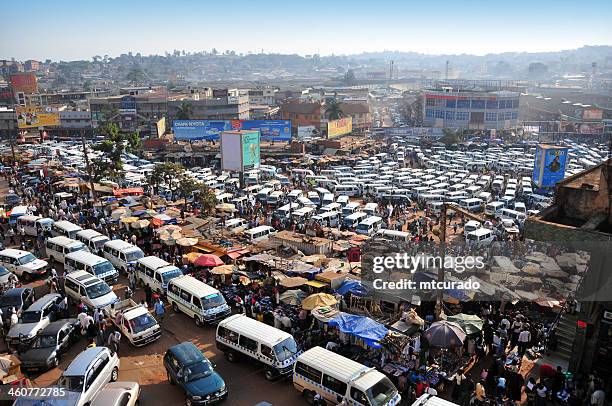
(362, 327)
(353, 287)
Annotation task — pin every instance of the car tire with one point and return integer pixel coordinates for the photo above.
(114, 374)
(175, 307)
(198, 322)
(270, 374)
(231, 356)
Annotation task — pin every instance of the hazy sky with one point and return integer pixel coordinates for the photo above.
(79, 29)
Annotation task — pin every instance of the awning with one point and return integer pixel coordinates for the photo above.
(316, 284)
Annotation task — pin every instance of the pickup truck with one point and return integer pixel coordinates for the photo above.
(135, 322)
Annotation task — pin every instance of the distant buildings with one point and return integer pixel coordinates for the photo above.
(304, 114)
(130, 113)
(450, 107)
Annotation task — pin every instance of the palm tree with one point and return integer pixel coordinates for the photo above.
(333, 110)
(184, 112)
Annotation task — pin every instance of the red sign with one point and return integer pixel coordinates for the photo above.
(581, 324)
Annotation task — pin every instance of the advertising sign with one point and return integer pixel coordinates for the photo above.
(592, 114)
(33, 117)
(336, 128)
(240, 150)
(549, 167)
(306, 131)
(271, 130)
(24, 82)
(159, 128)
(127, 105)
(414, 132)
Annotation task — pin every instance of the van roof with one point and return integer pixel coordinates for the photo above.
(336, 365)
(65, 241)
(86, 257)
(356, 215)
(30, 218)
(259, 229)
(88, 234)
(152, 262)
(192, 284)
(67, 225)
(254, 329)
(371, 220)
(119, 245)
(480, 231)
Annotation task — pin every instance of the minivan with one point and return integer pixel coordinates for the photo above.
(352, 220)
(35, 225)
(22, 263)
(276, 350)
(336, 379)
(155, 273)
(93, 264)
(491, 209)
(89, 372)
(65, 228)
(480, 238)
(56, 248)
(93, 291)
(94, 240)
(122, 254)
(259, 233)
(474, 205)
(369, 226)
(197, 300)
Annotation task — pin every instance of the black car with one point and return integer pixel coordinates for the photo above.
(19, 298)
(49, 345)
(188, 367)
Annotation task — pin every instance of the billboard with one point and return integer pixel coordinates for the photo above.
(34, 117)
(592, 114)
(304, 131)
(127, 105)
(549, 167)
(336, 128)
(158, 128)
(240, 150)
(24, 82)
(271, 130)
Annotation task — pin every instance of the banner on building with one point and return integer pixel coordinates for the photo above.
(34, 117)
(270, 130)
(24, 82)
(549, 166)
(336, 128)
(240, 150)
(306, 131)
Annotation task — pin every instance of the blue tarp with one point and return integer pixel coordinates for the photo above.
(361, 327)
(352, 286)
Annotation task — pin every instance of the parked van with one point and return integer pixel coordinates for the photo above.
(474, 205)
(93, 291)
(370, 208)
(471, 225)
(65, 228)
(336, 378)
(491, 209)
(22, 263)
(197, 300)
(89, 373)
(122, 254)
(262, 195)
(327, 219)
(259, 233)
(350, 190)
(16, 212)
(236, 224)
(93, 264)
(520, 207)
(369, 226)
(350, 208)
(314, 197)
(393, 235)
(295, 194)
(239, 335)
(35, 225)
(274, 198)
(486, 197)
(432, 400)
(352, 220)
(56, 248)
(92, 239)
(507, 214)
(481, 237)
(156, 273)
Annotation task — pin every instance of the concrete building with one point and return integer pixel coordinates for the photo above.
(75, 119)
(304, 114)
(581, 218)
(130, 113)
(360, 113)
(229, 107)
(8, 123)
(263, 97)
(472, 109)
(32, 65)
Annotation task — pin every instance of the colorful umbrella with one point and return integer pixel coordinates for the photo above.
(292, 297)
(187, 242)
(222, 270)
(318, 300)
(208, 260)
(293, 282)
(141, 224)
(128, 220)
(169, 228)
(121, 212)
(192, 256)
(445, 334)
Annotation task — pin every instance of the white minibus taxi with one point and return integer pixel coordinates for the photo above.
(241, 336)
(370, 208)
(92, 264)
(197, 300)
(507, 214)
(470, 226)
(327, 219)
(65, 228)
(350, 208)
(56, 248)
(35, 225)
(480, 237)
(156, 273)
(339, 379)
(491, 209)
(393, 235)
(236, 224)
(474, 204)
(122, 254)
(352, 220)
(369, 226)
(259, 233)
(92, 239)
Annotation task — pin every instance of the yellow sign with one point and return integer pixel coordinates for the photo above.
(33, 117)
(339, 127)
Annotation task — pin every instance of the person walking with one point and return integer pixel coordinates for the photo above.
(148, 295)
(113, 341)
(160, 311)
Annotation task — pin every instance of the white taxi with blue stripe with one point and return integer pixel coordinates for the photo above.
(197, 300)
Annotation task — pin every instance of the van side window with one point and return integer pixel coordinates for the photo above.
(196, 302)
(248, 343)
(158, 277)
(71, 285)
(174, 289)
(266, 351)
(228, 334)
(149, 272)
(95, 372)
(185, 296)
(309, 372)
(359, 396)
(334, 384)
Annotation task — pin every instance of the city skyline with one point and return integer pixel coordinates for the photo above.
(81, 30)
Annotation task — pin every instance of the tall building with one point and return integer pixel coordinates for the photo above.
(130, 113)
(221, 106)
(450, 107)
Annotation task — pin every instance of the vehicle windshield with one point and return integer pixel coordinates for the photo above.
(7, 301)
(72, 383)
(97, 290)
(166, 276)
(134, 255)
(285, 349)
(142, 322)
(3, 271)
(211, 301)
(27, 259)
(30, 317)
(100, 243)
(472, 237)
(381, 393)
(103, 267)
(362, 227)
(199, 370)
(45, 341)
(76, 248)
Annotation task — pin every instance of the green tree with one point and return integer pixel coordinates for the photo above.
(206, 198)
(184, 112)
(166, 173)
(333, 111)
(136, 76)
(187, 186)
(450, 137)
(109, 164)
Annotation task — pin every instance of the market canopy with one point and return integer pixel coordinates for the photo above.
(318, 300)
(352, 286)
(470, 323)
(293, 282)
(362, 327)
(292, 297)
(208, 260)
(445, 334)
